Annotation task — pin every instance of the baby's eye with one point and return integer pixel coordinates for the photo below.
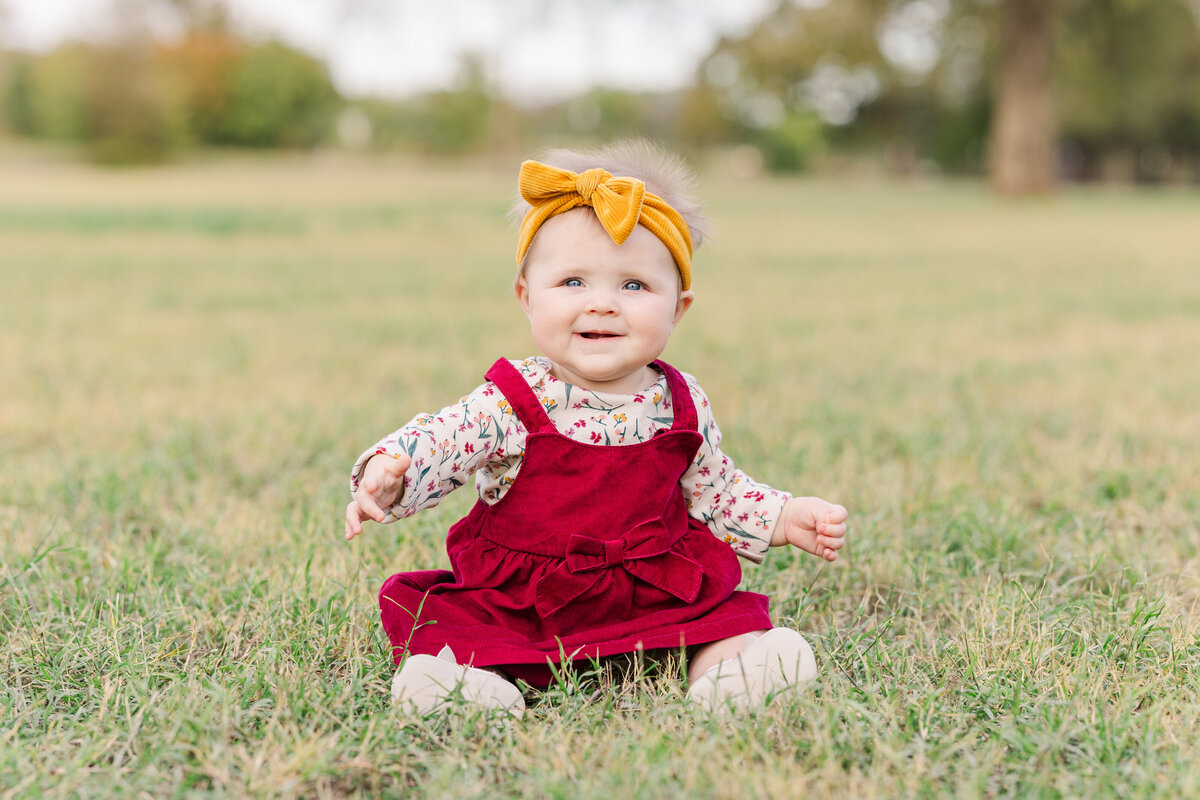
(633, 286)
(574, 283)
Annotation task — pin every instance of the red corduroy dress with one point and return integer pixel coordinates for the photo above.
(589, 553)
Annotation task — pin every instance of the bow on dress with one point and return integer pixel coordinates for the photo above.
(644, 552)
(620, 204)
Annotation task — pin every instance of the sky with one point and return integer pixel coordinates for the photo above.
(534, 50)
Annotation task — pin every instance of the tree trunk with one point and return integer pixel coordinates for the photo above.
(1023, 121)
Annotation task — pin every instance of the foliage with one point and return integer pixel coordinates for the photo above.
(19, 112)
(1123, 92)
(128, 116)
(278, 97)
(131, 102)
(201, 68)
(913, 77)
(44, 95)
(793, 144)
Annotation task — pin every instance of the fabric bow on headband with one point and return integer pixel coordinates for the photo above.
(619, 203)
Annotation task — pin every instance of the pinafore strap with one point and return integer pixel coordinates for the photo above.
(533, 416)
(518, 393)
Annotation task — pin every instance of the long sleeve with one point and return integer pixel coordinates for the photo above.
(446, 447)
(735, 507)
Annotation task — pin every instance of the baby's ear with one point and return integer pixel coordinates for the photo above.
(521, 290)
(684, 303)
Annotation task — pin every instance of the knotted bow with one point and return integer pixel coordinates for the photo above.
(619, 203)
(644, 552)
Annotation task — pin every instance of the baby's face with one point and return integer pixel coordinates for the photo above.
(600, 312)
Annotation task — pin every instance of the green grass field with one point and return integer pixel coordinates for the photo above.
(1006, 397)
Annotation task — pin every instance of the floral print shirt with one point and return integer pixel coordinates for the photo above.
(481, 436)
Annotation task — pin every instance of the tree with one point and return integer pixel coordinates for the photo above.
(128, 114)
(279, 97)
(1023, 138)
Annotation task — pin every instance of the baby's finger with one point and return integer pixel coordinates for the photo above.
(831, 542)
(353, 523)
(832, 531)
(368, 508)
(836, 514)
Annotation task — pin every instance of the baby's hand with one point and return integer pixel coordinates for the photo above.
(379, 486)
(813, 525)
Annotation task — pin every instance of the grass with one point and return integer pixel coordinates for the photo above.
(1003, 394)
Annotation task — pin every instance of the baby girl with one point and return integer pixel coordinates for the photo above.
(609, 520)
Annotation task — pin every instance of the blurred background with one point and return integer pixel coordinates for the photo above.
(1027, 93)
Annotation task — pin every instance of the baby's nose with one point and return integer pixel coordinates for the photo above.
(601, 303)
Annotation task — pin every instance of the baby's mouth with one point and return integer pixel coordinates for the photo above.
(598, 335)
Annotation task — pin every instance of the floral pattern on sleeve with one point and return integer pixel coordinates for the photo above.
(480, 436)
(734, 506)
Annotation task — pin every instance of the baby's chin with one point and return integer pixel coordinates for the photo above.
(607, 382)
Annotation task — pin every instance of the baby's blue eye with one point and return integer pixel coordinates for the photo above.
(573, 282)
(633, 286)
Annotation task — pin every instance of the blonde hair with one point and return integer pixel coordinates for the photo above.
(664, 174)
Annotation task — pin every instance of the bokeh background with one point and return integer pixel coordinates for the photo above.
(1026, 92)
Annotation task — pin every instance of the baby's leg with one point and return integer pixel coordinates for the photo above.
(744, 670)
(707, 656)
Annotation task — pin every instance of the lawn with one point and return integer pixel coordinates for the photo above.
(1005, 395)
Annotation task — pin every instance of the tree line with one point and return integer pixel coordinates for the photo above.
(1027, 91)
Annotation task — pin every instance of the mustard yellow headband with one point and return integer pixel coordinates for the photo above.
(619, 203)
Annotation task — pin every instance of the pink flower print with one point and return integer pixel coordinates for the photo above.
(577, 405)
(704, 472)
(431, 486)
(456, 467)
(756, 496)
(596, 437)
(579, 423)
(489, 390)
(727, 513)
(743, 517)
(468, 448)
(639, 398)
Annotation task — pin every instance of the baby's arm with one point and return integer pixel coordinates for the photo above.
(431, 456)
(749, 515)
